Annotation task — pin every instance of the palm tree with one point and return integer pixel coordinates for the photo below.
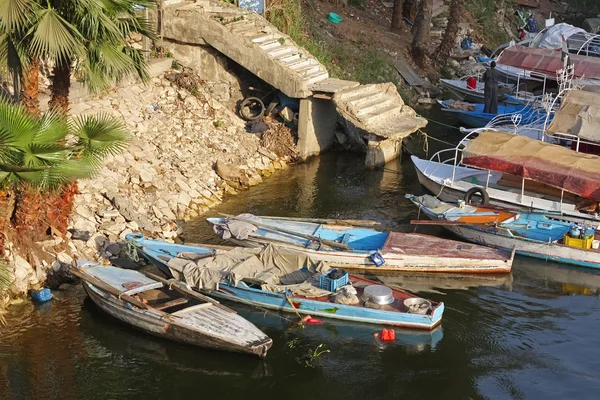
(448, 41)
(91, 34)
(43, 154)
(421, 31)
(397, 15)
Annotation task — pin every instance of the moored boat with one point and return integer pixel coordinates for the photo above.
(285, 280)
(513, 171)
(365, 248)
(168, 310)
(460, 90)
(473, 115)
(530, 233)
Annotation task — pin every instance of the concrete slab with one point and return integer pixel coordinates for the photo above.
(333, 85)
(316, 126)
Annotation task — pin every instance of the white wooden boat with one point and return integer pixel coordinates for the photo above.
(167, 309)
(531, 234)
(446, 176)
(356, 246)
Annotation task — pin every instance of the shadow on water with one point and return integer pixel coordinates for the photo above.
(529, 334)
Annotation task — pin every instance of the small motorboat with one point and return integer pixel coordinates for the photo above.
(282, 279)
(534, 234)
(460, 89)
(348, 246)
(169, 310)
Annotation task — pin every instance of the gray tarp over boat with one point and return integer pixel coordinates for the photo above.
(273, 267)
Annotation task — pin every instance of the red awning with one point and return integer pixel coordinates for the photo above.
(546, 163)
(548, 61)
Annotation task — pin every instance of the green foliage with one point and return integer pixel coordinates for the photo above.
(176, 65)
(194, 91)
(590, 7)
(91, 34)
(218, 123)
(50, 151)
(365, 65)
(6, 277)
(484, 11)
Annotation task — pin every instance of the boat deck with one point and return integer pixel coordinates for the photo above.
(415, 244)
(360, 284)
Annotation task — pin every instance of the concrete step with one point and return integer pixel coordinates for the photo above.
(263, 37)
(366, 99)
(287, 58)
(333, 85)
(281, 51)
(308, 69)
(316, 77)
(382, 114)
(270, 44)
(300, 63)
(375, 106)
(241, 29)
(358, 93)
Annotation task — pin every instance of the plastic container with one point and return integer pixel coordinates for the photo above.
(377, 259)
(326, 283)
(595, 244)
(41, 296)
(574, 232)
(472, 82)
(578, 243)
(334, 18)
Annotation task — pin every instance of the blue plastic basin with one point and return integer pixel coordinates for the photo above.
(335, 18)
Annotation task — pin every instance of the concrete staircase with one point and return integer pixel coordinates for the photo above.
(252, 42)
(378, 109)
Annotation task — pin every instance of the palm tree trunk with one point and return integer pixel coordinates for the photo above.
(421, 31)
(29, 216)
(61, 83)
(7, 208)
(30, 87)
(449, 39)
(397, 15)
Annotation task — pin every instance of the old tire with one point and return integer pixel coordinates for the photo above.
(252, 109)
(485, 197)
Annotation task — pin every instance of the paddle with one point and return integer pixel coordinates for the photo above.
(329, 243)
(350, 222)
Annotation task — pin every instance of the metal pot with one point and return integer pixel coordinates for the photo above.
(416, 305)
(378, 294)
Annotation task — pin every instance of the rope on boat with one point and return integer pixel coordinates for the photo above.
(132, 252)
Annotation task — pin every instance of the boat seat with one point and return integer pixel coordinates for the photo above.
(169, 304)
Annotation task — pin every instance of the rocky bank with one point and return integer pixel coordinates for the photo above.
(188, 150)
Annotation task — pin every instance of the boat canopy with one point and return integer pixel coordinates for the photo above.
(552, 37)
(548, 61)
(578, 115)
(531, 159)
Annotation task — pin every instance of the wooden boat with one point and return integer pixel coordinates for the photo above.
(168, 310)
(450, 175)
(531, 234)
(354, 247)
(460, 90)
(250, 292)
(475, 117)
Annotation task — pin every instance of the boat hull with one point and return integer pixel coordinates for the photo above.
(152, 323)
(394, 261)
(531, 248)
(452, 191)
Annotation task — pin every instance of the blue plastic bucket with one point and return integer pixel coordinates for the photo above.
(41, 296)
(335, 18)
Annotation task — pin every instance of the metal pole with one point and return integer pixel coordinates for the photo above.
(145, 41)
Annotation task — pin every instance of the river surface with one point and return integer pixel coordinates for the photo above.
(531, 334)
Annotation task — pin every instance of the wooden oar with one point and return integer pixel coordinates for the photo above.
(107, 288)
(180, 288)
(329, 243)
(441, 223)
(351, 222)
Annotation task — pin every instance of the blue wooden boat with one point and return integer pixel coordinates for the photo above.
(533, 234)
(397, 251)
(168, 310)
(394, 313)
(476, 118)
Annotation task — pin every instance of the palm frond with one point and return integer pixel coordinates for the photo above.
(54, 37)
(100, 136)
(16, 13)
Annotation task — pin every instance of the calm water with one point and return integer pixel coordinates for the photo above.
(529, 335)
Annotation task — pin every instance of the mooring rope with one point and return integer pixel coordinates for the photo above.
(438, 122)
